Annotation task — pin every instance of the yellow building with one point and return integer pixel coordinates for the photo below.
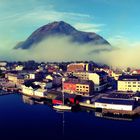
(129, 83)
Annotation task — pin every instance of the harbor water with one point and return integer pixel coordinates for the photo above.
(23, 118)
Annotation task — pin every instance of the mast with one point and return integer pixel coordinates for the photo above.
(63, 80)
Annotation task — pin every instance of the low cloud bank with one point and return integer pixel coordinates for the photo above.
(60, 48)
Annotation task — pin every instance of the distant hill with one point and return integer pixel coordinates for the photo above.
(61, 28)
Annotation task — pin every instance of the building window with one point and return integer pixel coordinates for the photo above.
(134, 82)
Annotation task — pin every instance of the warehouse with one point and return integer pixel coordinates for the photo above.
(115, 104)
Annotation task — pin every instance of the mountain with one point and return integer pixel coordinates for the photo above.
(61, 28)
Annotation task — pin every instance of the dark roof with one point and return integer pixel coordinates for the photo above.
(115, 101)
(120, 95)
(101, 73)
(78, 81)
(129, 78)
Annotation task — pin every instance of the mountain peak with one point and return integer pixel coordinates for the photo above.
(61, 28)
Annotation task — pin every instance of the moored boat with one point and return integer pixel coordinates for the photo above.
(62, 107)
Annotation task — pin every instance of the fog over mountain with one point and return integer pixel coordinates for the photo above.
(61, 28)
(56, 47)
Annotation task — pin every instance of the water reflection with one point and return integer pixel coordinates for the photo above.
(113, 117)
(33, 101)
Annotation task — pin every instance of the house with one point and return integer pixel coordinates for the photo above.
(33, 90)
(28, 90)
(40, 92)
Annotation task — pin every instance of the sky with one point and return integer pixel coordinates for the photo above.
(116, 20)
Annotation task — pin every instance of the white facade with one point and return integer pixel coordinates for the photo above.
(27, 90)
(114, 106)
(32, 92)
(40, 92)
(94, 77)
(128, 86)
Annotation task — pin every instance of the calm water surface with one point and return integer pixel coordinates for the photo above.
(20, 120)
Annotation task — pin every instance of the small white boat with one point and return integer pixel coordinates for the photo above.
(62, 107)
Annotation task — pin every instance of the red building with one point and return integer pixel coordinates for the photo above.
(76, 67)
(76, 86)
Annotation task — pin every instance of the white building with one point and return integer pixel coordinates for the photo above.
(129, 83)
(98, 78)
(115, 104)
(40, 92)
(33, 92)
(27, 90)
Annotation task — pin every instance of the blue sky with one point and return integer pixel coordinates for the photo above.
(115, 20)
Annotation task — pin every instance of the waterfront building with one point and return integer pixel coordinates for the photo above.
(28, 90)
(115, 104)
(33, 91)
(98, 78)
(129, 83)
(12, 77)
(40, 92)
(79, 87)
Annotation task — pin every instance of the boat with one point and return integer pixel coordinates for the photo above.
(62, 106)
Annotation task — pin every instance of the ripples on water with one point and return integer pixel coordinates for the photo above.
(23, 118)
